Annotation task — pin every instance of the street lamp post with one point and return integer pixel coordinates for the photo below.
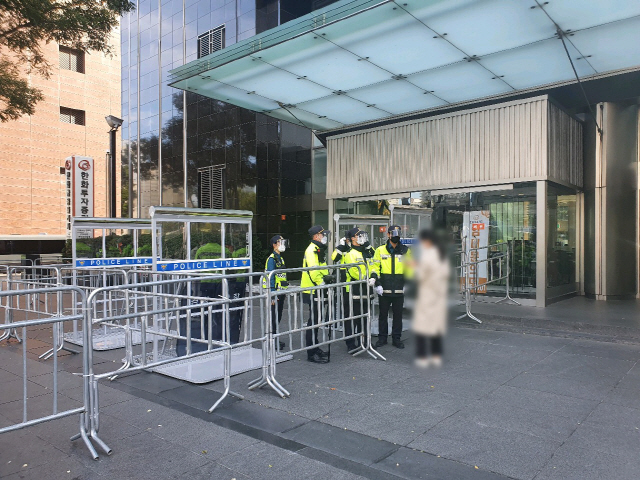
(114, 123)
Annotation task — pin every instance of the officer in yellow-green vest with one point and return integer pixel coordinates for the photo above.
(361, 251)
(390, 270)
(278, 280)
(337, 257)
(315, 256)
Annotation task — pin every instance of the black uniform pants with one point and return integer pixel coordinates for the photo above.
(277, 306)
(205, 289)
(358, 325)
(395, 303)
(316, 315)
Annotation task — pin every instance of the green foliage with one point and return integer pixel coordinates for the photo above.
(27, 25)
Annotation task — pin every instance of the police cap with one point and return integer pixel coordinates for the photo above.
(275, 239)
(353, 232)
(394, 227)
(315, 230)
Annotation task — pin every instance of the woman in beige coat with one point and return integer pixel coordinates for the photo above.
(430, 313)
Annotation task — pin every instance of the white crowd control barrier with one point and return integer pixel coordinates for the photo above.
(376, 227)
(495, 262)
(37, 308)
(315, 317)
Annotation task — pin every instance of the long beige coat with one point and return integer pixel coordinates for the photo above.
(432, 278)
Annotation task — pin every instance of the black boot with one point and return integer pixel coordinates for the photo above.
(398, 343)
(317, 358)
(382, 341)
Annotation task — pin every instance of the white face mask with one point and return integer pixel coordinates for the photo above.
(323, 240)
(281, 248)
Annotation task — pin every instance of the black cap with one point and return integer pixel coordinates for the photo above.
(275, 239)
(353, 232)
(315, 229)
(393, 227)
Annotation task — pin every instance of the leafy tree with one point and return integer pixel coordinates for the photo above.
(27, 25)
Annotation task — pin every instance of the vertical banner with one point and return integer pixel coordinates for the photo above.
(79, 177)
(476, 237)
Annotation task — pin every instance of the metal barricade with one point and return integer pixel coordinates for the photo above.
(327, 322)
(157, 312)
(498, 270)
(35, 308)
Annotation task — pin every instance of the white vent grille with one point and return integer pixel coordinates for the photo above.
(69, 115)
(211, 41)
(211, 182)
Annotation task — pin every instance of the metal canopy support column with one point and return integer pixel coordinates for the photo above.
(541, 243)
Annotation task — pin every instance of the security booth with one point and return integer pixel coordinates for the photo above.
(374, 225)
(208, 254)
(103, 252)
(411, 219)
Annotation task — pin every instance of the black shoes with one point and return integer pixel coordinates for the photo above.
(381, 342)
(318, 357)
(282, 345)
(398, 343)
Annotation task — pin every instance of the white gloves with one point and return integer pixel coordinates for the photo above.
(372, 282)
(379, 290)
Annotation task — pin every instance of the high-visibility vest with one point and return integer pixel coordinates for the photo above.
(311, 259)
(357, 273)
(277, 277)
(392, 268)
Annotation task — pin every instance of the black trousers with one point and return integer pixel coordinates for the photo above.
(311, 337)
(359, 325)
(205, 289)
(427, 346)
(395, 302)
(276, 312)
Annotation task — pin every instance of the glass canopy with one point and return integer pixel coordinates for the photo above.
(363, 60)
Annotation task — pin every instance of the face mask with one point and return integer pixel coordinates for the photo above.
(323, 240)
(281, 248)
(395, 239)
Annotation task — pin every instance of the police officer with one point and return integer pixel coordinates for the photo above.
(315, 256)
(361, 251)
(278, 280)
(390, 270)
(343, 246)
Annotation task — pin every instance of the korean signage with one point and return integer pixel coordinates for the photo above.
(476, 238)
(79, 177)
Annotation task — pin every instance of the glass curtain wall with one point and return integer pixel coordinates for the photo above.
(267, 163)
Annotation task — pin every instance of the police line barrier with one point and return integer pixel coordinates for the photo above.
(28, 314)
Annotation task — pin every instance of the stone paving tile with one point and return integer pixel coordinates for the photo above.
(411, 464)
(611, 439)
(269, 420)
(611, 414)
(522, 420)
(56, 467)
(344, 443)
(603, 350)
(582, 367)
(570, 462)
(490, 448)
(12, 390)
(625, 395)
(22, 450)
(37, 407)
(199, 436)
(507, 397)
(211, 471)
(145, 456)
(569, 387)
(393, 423)
(538, 342)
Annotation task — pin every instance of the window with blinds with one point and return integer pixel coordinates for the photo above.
(211, 189)
(69, 115)
(211, 41)
(71, 59)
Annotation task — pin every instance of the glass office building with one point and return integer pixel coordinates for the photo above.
(186, 149)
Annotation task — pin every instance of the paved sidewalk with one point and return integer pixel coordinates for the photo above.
(504, 405)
